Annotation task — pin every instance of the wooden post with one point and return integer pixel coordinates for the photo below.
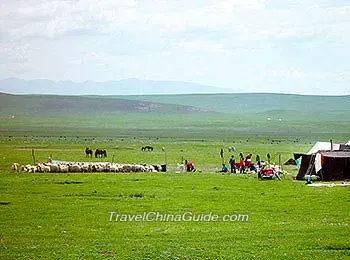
(279, 160)
(33, 155)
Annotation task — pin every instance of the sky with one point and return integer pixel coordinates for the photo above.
(271, 46)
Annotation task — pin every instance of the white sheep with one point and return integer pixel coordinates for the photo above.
(53, 167)
(15, 167)
(63, 168)
(74, 168)
(42, 167)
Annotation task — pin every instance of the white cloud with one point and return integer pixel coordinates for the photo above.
(112, 39)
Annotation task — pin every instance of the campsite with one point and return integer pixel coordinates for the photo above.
(67, 215)
(179, 130)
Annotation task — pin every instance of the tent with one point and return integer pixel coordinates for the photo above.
(327, 163)
(290, 161)
(336, 165)
(323, 146)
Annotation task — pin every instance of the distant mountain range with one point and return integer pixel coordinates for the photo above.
(120, 87)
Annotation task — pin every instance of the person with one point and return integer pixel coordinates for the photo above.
(248, 160)
(222, 153)
(268, 158)
(265, 172)
(258, 160)
(241, 165)
(190, 166)
(232, 164)
(253, 168)
(224, 168)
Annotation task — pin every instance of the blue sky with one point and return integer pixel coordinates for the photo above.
(252, 45)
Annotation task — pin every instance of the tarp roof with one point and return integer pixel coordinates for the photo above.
(323, 146)
(337, 154)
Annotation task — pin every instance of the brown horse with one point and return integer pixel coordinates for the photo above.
(100, 153)
(147, 148)
(88, 152)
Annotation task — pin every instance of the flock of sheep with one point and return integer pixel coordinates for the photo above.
(85, 167)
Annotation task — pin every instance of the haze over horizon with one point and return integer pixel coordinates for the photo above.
(251, 46)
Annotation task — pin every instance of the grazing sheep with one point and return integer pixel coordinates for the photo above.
(63, 168)
(126, 168)
(157, 167)
(29, 168)
(112, 167)
(43, 168)
(15, 167)
(85, 167)
(24, 168)
(54, 167)
(74, 168)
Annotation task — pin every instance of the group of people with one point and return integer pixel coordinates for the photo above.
(244, 164)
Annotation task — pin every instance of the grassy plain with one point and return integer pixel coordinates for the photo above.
(65, 216)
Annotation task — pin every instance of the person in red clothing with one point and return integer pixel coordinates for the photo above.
(241, 165)
(248, 160)
(189, 166)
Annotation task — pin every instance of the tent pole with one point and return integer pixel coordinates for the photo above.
(331, 144)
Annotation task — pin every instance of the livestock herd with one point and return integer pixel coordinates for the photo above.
(66, 167)
(99, 153)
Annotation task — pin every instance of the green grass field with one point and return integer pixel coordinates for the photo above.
(66, 216)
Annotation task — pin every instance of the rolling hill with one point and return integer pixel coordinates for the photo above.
(54, 104)
(255, 102)
(238, 104)
(177, 115)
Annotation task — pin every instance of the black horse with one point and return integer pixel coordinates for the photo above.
(88, 152)
(147, 148)
(100, 153)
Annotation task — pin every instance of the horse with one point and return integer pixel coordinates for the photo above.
(100, 153)
(147, 148)
(88, 152)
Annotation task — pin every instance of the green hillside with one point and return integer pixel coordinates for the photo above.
(277, 104)
(237, 103)
(199, 116)
(51, 104)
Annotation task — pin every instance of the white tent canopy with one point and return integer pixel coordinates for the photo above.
(323, 146)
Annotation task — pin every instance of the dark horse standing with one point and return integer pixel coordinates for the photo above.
(100, 153)
(147, 148)
(88, 152)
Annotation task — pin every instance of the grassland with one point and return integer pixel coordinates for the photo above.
(65, 216)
